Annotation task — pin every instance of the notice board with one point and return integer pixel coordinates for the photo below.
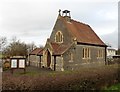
(18, 63)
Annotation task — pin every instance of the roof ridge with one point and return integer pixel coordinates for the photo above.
(75, 20)
(80, 22)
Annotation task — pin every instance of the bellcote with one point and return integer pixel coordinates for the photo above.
(65, 14)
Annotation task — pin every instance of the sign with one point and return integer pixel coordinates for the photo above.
(18, 63)
(21, 63)
(14, 63)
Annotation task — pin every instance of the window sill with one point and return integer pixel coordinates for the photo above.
(86, 58)
(99, 57)
(70, 61)
(59, 42)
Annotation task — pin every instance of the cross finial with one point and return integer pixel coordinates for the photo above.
(59, 12)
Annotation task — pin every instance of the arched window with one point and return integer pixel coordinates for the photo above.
(59, 37)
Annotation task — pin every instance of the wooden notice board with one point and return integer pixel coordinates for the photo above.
(18, 63)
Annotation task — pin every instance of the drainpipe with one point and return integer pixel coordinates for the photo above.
(40, 62)
(106, 63)
(54, 63)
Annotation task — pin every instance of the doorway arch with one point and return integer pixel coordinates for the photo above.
(48, 58)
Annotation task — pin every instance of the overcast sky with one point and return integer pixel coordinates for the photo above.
(33, 20)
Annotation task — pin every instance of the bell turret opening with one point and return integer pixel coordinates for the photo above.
(66, 15)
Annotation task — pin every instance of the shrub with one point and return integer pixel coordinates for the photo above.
(113, 61)
(84, 79)
(6, 65)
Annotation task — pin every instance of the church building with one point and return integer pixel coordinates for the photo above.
(72, 45)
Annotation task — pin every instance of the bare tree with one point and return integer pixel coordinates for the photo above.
(41, 46)
(3, 41)
(31, 46)
(13, 39)
(16, 48)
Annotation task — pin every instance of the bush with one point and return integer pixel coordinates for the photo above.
(84, 79)
(6, 65)
(115, 87)
(113, 61)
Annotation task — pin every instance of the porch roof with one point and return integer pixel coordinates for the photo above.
(59, 49)
(37, 51)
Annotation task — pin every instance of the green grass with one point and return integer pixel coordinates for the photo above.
(27, 73)
(0, 55)
(33, 71)
(115, 87)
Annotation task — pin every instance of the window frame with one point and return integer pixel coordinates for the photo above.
(71, 55)
(100, 53)
(59, 37)
(86, 53)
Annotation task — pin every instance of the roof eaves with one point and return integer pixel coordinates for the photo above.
(92, 44)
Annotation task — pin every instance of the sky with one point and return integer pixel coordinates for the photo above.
(33, 20)
(119, 25)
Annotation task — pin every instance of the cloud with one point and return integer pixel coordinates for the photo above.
(34, 19)
(111, 39)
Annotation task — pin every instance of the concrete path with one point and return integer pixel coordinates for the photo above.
(0, 79)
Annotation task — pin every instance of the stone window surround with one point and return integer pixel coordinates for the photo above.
(59, 37)
(100, 53)
(86, 53)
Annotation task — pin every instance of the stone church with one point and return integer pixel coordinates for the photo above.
(72, 44)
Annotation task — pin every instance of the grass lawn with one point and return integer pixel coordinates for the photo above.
(0, 55)
(115, 87)
(34, 72)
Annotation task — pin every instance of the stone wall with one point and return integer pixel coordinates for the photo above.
(78, 60)
(59, 26)
(35, 60)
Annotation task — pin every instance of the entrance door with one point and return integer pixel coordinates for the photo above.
(48, 58)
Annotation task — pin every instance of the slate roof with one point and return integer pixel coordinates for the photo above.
(40, 53)
(37, 51)
(82, 32)
(59, 49)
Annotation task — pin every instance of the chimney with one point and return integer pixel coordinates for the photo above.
(66, 15)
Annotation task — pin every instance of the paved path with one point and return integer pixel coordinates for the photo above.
(1, 70)
(0, 79)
